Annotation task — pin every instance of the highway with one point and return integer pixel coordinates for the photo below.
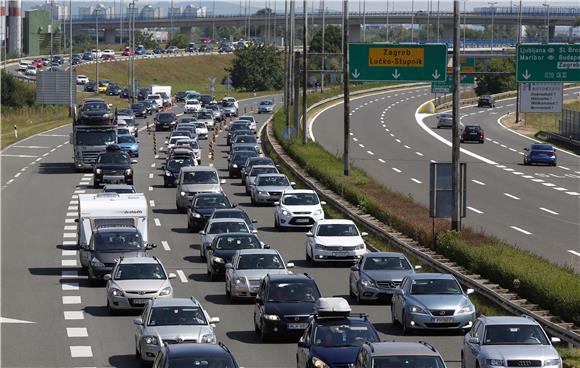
(56, 319)
(536, 208)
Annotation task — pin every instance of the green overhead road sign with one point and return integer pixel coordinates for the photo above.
(397, 63)
(467, 66)
(442, 87)
(548, 63)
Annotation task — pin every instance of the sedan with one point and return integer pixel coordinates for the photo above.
(258, 170)
(202, 206)
(540, 153)
(432, 301)
(266, 107)
(165, 121)
(268, 188)
(237, 160)
(224, 246)
(220, 226)
(82, 79)
(334, 240)
(172, 167)
(139, 110)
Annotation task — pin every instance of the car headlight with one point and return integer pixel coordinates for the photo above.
(105, 116)
(271, 317)
(196, 215)
(467, 308)
(239, 280)
(150, 340)
(319, 363)
(263, 193)
(165, 291)
(208, 339)
(235, 166)
(551, 362)
(217, 259)
(417, 309)
(360, 246)
(183, 194)
(317, 212)
(99, 171)
(96, 263)
(495, 362)
(286, 213)
(168, 173)
(318, 246)
(367, 282)
(128, 171)
(116, 292)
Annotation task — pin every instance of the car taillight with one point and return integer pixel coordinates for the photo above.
(482, 133)
(551, 154)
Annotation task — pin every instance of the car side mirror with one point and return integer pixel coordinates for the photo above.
(213, 320)
(364, 233)
(254, 231)
(276, 203)
(302, 344)
(229, 266)
(223, 181)
(133, 161)
(526, 149)
(399, 291)
(555, 340)
(254, 221)
(171, 276)
(290, 265)
(202, 232)
(234, 205)
(107, 277)
(208, 247)
(309, 234)
(151, 246)
(418, 267)
(138, 321)
(473, 340)
(77, 220)
(323, 203)
(292, 183)
(266, 246)
(354, 268)
(162, 167)
(470, 291)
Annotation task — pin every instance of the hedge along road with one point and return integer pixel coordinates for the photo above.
(33, 261)
(535, 207)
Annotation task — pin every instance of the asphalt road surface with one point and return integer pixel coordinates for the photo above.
(51, 317)
(536, 208)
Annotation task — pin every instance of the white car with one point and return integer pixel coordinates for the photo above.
(219, 226)
(173, 141)
(96, 53)
(23, 66)
(298, 208)
(148, 55)
(31, 70)
(232, 100)
(206, 116)
(108, 52)
(334, 240)
(201, 130)
(250, 119)
(82, 79)
(156, 99)
(192, 106)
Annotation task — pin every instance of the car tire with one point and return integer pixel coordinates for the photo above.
(111, 311)
(265, 336)
(406, 330)
(256, 328)
(189, 227)
(393, 319)
(461, 141)
(309, 259)
(227, 292)
(482, 141)
(359, 301)
(211, 276)
(137, 354)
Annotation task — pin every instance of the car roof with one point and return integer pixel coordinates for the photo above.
(258, 251)
(334, 221)
(424, 276)
(236, 209)
(139, 260)
(227, 219)
(194, 349)
(272, 174)
(289, 277)
(119, 186)
(198, 168)
(116, 229)
(401, 348)
(297, 191)
(264, 167)
(210, 194)
(385, 254)
(175, 302)
(508, 320)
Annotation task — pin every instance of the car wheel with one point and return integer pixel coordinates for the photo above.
(482, 141)
(406, 330)
(110, 310)
(359, 301)
(201, 253)
(309, 259)
(189, 227)
(253, 201)
(137, 354)
(393, 319)
(265, 336)
(256, 328)
(227, 291)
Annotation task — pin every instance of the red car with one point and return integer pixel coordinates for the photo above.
(206, 40)
(127, 52)
(37, 63)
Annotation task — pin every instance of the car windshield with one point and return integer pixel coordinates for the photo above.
(246, 139)
(200, 126)
(435, 286)
(143, 271)
(236, 214)
(228, 104)
(236, 242)
(273, 181)
(176, 164)
(472, 129)
(300, 199)
(174, 316)
(408, 361)
(259, 161)
(174, 140)
(228, 227)
(127, 139)
(200, 177)
(337, 230)
(95, 106)
(344, 333)
(386, 263)
(205, 115)
(514, 335)
(117, 241)
(242, 156)
(114, 158)
(123, 131)
(239, 126)
(295, 292)
(192, 102)
(95, 138)
(203, 361)
(119, 190)
(260, 262)
(263, 170)
(165, 118)
(213, 201)
(266, 103)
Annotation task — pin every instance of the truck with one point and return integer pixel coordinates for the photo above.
(159, 90)
(94, 129)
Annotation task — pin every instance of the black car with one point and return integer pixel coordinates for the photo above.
(150, 106)
(94, 111)
(142, 93)
(159, 50)
(486, 100)
(284, 304)
(205, 100)
(180, 96)
(222, 249)
(125, 93)
(472, 133)
(91, 86)
(76, 61)
(334, 338)
(236, 126)
(113, 90)
(192, 354)
(205, 48)
(58, 59)
(172, 168)
(237, 160)
(234, 213)
(87, 56)
(165, 121)
(191, 48)
(202, 206)
(112, 166)
(139, 110)
(254, 161)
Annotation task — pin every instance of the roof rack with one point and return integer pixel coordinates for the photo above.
(429, 346)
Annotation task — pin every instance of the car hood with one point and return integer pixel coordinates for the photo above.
(270, 188)
(302, 208)
(112, 257)
(227, 255)
(283, 309)
(388, 275)
(258, 274)
(516, 352)
(336, 355)
(346, 241)
(439, 301)
(205, 120)
(112, 166)
(201, 188)
(148, 285)
(127, 145)
(178, 331)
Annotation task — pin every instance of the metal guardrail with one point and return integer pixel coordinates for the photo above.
(502, 297)
(559, 138)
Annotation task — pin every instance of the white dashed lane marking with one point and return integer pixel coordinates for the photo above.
(73, 315)
(76, 332)
(69, 286)
(81, 351)
(68, 263)
(151, 203)
(521, 230)
(549, 211)
(418, 153)
(165, 245)
(381, 160)
(475, 210)
(370, 153)
(416, 181)
(511, 196)
(157, 222)
(396, 170)
(478, 182)
(181, 276)
(150, 189)
(361, 145)
(71, 299)
(355, 139)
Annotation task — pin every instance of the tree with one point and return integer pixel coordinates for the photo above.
(145, 39)
(264, 11)
(257, 68)
(180, 40)
(332, 40)
(497, 84)
(16, 93)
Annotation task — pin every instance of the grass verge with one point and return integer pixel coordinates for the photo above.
(29, 121)
(570, 357)
(553, 287)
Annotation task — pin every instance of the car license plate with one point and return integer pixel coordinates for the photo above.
(339, 254)
(473, 133)
(442, 319)
(140, 301)
(302, 221)
(297, 326)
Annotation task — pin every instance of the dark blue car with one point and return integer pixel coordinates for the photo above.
(222, 250)
(202, 206)
(333, 340)
(195, 355)
(540, 153)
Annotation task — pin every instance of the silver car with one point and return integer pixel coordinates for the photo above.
(136, 280)
(206, 116)
(432, 301)
(196, 179)
(378, 274)
(248, 268)
(444, 120)
(217, 226)
(171, 321)
(508, 342)
(268, 188)
(258, 170)
(247, 140)
(250, 119)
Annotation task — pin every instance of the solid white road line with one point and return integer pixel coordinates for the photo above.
(549, 211)
(81, 351)
(478, 182)
(396, 170)
(157, 222)
(181, 276)
(511, 196)
(76, 332)
(474, 210)
(73, 315)
(573, 193)
(165, 245)
(73, 299)
(521, 230)
(68, 263)
(574, 252)
(416, 181)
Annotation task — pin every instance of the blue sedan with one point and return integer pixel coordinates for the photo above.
(129, 144)
(540, 153)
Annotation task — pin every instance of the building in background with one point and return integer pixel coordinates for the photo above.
(36, 32)
(174, 12)
(149, 11)
(195, 11)
(59, 10)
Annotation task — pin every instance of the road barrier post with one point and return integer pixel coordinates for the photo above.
(15, 132)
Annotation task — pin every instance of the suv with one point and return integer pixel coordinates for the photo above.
(398, 354)
(334, 335)
(284, 304)
(472, 133)
(193, 180)
(136, 280)
(508, 342)
(195, 355)
(112, 166)
(170, 321)
(486, 100)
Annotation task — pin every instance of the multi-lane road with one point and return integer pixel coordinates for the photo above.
(52, 317)
(535, 207)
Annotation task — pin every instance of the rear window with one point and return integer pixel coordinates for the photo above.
(543, 147)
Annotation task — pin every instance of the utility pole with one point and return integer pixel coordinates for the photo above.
(133, 53)
(547, 5)
(364, 21)
(322, 75)
(492, 5)
(296, 92)
(438, 29)
(51, 31)
(291, 46)
(97, 10)
(388, 26)
(171, 20)
(287, 65)
(412, 20)
(121, 22)
(304, 72)
(455, 153)
(519, 39)
(70, 68)
(346, 81)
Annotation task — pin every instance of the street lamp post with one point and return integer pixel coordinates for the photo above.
(412, 20)
(438, 30)
(388, 26)
(492, 5)
(97, 10)
(547, 21)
